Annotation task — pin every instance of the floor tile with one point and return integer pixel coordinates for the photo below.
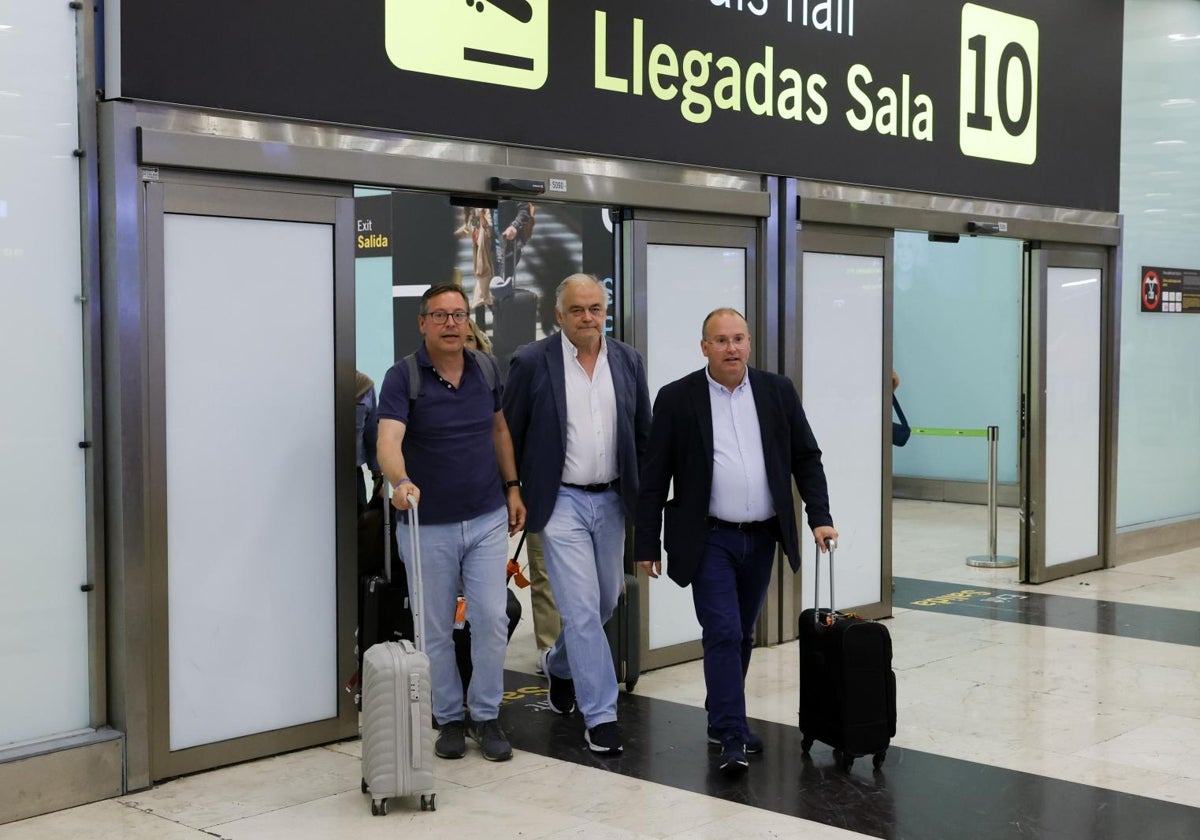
(100, 821)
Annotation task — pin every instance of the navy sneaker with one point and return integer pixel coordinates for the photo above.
(754, 744)
(733, 756)
(562, 691)
(451, 741)
(604, 738)
(491, 739)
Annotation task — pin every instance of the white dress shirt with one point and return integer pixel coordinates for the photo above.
(739, 486)
(591, 445)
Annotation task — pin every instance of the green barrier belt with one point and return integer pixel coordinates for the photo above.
(922, 430)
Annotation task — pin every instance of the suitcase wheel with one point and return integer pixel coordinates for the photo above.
(877, 761)
(365, 789)
(629, 686)
(379, 809)
(805, 745)
(844, 760)
(429, 803)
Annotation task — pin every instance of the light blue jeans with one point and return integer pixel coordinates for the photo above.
(584, 544)
(469, 557)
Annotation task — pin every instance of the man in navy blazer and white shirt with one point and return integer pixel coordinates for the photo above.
(733, 438)
(578, 409)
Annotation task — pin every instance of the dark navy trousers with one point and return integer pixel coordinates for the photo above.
(728, 591)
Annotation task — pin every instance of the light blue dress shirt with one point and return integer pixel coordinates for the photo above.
(739, 486)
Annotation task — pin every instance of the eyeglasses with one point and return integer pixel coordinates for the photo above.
(724, 343)
(439, 317)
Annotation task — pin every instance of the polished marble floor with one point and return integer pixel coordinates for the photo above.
(1009, 726)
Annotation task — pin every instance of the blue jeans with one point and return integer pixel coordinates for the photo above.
(469, 557)
(584, 544)
(728, 591)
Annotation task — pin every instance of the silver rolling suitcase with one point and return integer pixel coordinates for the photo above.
(397, 706)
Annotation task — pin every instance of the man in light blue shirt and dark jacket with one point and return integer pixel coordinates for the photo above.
(733, 438)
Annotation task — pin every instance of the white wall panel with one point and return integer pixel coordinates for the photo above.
(251, 555)
(43, 544)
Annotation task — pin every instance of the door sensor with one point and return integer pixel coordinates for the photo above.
(518, 185)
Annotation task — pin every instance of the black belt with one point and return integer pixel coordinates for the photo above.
(592, 488)
(762, 525)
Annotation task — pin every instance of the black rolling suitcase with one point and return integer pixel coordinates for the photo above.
(515, 324)
(624, 634)
(384, 613)
(847, 686)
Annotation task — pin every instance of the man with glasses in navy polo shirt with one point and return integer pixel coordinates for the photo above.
(447, 445)
(579, 410)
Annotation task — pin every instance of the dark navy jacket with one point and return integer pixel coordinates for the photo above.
(535, 406)
(681, 448)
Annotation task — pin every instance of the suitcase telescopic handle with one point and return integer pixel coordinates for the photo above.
(416, 591)
(829, 544)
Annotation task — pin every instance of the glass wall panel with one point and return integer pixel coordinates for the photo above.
(1158, 466)
(43, 546)
(683, 284)
(248, 327)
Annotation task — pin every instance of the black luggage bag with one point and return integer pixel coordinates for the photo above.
(384, 613)
(847, 686)
(515, 324)
(623, 631)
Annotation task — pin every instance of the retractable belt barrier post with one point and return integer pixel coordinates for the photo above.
(991, 560)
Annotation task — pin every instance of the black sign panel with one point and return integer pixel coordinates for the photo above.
(1170, 290)
(1017, 100)
(373, 226)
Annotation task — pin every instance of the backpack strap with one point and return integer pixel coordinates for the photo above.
(487, 366)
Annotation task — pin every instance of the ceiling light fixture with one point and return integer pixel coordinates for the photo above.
(1170, 142)
(1178, 103)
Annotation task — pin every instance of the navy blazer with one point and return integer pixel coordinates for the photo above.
(681, 448)
(535, 406)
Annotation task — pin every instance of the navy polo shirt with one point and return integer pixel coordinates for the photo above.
(447, 447)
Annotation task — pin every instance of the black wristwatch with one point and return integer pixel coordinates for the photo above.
(516, 482)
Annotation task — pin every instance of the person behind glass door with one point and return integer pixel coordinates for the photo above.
(448, 447)
(579, 410)
(366, 433)
(712, 433)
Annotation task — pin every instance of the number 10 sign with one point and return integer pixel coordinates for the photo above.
(998, 104)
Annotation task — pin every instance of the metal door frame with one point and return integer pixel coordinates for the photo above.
(641, 229)
(232, 199)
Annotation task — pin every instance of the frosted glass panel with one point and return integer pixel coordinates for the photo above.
(1072, 414)
(683, 284)
(250, 476)
(843, 359)
(43, 545)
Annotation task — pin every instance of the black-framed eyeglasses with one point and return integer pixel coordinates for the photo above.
(439, 317)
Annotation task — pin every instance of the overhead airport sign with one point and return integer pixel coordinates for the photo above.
(1015, 100)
